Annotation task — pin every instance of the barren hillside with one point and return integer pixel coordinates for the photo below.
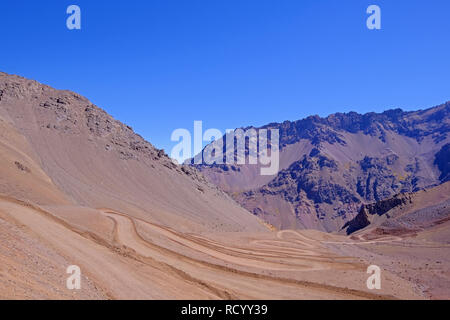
(80, 188)
(60, 149)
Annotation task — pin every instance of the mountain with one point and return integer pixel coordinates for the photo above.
(81, 190)
(60, 149)
(330, 167)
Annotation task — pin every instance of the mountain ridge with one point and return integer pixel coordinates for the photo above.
(79, 188)
(89, 158)
(330, 166)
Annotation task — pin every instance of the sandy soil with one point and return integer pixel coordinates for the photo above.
(120, 260)
(78, 187)
(422, 258)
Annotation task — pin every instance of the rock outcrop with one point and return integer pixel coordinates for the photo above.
(442, 160)
(403, 214)
(367, 211)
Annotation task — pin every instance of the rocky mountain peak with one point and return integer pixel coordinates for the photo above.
(331, 165)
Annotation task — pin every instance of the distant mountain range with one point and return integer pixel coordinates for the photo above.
(79, 188)
(330, 167)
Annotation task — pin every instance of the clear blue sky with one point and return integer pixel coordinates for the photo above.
(158, 65)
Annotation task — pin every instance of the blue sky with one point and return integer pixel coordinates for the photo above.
(158, 65)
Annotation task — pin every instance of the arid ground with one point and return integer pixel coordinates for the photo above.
(78, 187)
(122, 257)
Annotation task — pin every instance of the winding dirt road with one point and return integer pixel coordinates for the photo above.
(128, 263)
(282, 256)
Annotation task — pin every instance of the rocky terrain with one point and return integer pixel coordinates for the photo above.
(330, 167)
(409, 235)
(80, 155)
(404, 213)
(442, 161)
(78, 187)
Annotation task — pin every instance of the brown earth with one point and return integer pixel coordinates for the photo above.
(80, 188)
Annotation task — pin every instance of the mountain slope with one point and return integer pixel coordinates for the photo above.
(404, 213)
(80, 188)
(61, 149)
(330, 166)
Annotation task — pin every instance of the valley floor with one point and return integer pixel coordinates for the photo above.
(422, 258)
(122, 257)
